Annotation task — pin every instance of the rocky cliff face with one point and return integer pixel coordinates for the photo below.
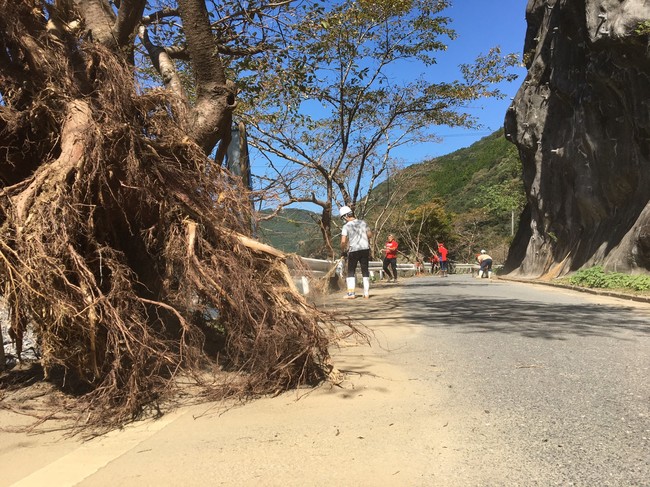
(581, 122)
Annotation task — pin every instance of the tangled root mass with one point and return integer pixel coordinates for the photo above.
(123, 246)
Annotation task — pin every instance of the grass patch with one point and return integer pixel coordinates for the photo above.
(597, 278)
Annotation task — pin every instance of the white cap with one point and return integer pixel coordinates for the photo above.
(344, 211)
(483, 252)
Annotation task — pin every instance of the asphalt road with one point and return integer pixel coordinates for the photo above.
(468, 383)
(559, 380)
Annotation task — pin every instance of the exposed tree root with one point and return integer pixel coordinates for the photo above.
(124, 247)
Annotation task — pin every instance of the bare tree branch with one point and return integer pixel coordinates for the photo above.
(159, 15)
(163, 64)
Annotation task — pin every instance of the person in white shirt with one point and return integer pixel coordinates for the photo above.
(355, 245)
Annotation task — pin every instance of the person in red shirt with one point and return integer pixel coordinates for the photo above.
(390, 258)
(442, 252)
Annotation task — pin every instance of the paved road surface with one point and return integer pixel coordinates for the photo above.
(467, 383)
(559, 382)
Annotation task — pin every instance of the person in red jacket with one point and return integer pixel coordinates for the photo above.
(390, 258)
(442, 252)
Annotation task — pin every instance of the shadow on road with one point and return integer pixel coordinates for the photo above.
(454, 304)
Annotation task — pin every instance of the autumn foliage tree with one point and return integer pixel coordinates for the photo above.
(424, 227)
(124, 244)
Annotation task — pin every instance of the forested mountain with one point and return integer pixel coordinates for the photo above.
(478, 186)
(479, 189)
(464, 177)
(293, 230)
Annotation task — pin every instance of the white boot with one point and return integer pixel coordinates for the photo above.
(366, 287)
(489, 274)
(480, 274)
(351, 284)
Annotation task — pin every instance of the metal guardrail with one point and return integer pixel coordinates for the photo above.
(319, 267)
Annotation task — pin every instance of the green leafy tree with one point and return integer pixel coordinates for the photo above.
(329, 112)
(503, 198)
(505, 190)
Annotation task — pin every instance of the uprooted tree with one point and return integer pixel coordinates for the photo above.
(123, 242)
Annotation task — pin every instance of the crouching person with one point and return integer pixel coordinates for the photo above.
(485, 264)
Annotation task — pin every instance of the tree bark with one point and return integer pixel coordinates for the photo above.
(128, 17)
(211, 117)
(99, 20)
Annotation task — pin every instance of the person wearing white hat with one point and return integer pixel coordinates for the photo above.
(355, 245)
(485, 263)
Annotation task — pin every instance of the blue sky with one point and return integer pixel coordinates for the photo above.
(480, 25)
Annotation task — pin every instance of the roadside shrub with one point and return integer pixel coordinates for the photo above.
(597, 277)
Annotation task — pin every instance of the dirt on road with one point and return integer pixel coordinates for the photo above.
(377, 427)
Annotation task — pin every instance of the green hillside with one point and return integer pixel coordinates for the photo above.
(462, 175)
(458, 178)
(293, 230)
(479, 187)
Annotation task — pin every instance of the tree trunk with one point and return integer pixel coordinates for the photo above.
(211, 118)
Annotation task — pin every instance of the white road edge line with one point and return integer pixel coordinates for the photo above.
(81, 463)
